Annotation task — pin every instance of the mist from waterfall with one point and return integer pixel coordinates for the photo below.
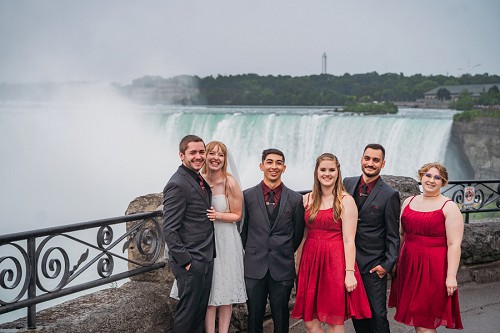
(69, 162)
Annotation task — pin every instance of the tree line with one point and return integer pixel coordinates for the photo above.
(325, 89)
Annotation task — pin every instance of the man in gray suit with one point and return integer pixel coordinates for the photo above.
(272, 231)
(189, 235)
(377, 235)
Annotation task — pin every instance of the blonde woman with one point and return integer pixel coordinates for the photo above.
(228, 284)
(329, 286)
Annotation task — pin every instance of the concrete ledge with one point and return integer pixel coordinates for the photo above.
(482, 273)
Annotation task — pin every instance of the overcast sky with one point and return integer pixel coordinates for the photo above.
(120, 40)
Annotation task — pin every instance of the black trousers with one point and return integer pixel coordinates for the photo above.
(279, 295)
(376, 290)
(194, 290)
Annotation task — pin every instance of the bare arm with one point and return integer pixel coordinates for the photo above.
(298, 253)
(401, 231)
(401, 234)
(454, 224)
(349, 224)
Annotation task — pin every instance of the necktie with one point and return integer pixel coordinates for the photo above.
(362, 196)
(202, 183)
(270, 203)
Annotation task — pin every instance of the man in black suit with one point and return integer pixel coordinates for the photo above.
(272, 231)
(189, 235)
(377, 235)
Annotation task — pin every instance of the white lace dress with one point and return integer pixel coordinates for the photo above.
(228, 284)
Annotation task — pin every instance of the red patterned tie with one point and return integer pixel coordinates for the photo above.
(201, 182)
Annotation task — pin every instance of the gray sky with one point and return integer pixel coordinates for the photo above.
(120, 40)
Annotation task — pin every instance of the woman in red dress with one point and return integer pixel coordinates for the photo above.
(424, 290)
(329, 287)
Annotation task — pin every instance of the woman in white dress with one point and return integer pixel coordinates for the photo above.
(228, 285)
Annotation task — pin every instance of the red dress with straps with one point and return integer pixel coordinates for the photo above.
(419, 290)
(321, 292)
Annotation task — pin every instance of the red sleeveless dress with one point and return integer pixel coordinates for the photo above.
(419, 290)
(321, 293)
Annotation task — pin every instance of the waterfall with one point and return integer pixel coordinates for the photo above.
(66, 163)
(411, 138)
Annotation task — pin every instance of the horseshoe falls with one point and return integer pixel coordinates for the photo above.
(411, 138)
(65, 163)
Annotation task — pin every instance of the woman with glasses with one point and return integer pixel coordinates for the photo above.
(424, 290)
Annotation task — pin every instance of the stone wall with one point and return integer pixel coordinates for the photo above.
(478, 140)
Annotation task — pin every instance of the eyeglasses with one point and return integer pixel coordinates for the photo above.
(436, 177)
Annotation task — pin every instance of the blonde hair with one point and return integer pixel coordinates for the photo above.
(211, 146)
(316, 193)
(441, 169)
(208, 148)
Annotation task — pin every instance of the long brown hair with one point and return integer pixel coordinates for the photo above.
(316, 193)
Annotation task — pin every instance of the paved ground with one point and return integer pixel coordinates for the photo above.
(479, 304)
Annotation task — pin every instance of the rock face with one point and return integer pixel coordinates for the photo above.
(135, 307)
(478, 140)
(144, 305)
(481, 242)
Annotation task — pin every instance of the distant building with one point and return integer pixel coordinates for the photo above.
(155, 89)
(475, 90)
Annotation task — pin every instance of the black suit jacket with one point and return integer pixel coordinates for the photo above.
(377, 234)
(271, 248)
(188, 232)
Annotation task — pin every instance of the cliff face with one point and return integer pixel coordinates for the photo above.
(479, 140)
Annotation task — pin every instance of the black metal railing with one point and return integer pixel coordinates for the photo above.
(37, 266)
(474, 196)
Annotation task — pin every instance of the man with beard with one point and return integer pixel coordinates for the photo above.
(189, 235)
(377, 235)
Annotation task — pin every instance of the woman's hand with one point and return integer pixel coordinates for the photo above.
(451, 285)
(350, 281)
(211, 214)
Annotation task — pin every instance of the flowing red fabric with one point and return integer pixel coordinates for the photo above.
(321, 293)
(419, 291)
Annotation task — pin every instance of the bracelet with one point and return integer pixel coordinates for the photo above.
(350, 270)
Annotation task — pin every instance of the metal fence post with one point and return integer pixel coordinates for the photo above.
(32, 284)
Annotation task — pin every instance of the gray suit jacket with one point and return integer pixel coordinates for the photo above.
(188, 232)
(271, 248)
(377, 234)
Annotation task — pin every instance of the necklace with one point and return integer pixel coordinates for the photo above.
(431, 196)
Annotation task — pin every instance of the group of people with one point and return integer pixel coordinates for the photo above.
(336, 244)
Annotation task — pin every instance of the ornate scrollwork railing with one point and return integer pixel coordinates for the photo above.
(474, 196)
(45, 264)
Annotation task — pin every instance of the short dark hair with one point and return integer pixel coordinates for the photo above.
(266, 152)
(187, 139)
(376, 146)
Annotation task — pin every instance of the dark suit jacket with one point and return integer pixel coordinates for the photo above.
(271, 248)
(188, 232)
(377, 234)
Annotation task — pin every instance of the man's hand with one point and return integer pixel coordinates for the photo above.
(379, 270)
